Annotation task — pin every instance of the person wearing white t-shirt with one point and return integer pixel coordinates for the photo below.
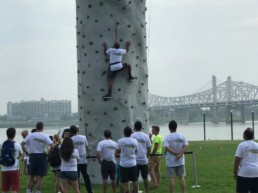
(25, 158)
(37, 142)
(175, 145)
(116, 65)
(143, 151)
(246, 164)
(127, 148)
(69, 157)
(10, 174)
(106, 150)
(80, 143)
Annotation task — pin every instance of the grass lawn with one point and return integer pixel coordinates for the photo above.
(214, 162)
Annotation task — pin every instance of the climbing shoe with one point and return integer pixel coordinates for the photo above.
(107, 96)
(131, 79)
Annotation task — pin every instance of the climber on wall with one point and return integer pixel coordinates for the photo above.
(116, 65)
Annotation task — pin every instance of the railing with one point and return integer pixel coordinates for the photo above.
(195, 183)
(231, 125)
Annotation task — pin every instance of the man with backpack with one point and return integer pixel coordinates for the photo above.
(10, 153)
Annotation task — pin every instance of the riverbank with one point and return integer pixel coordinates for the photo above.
(31, 124)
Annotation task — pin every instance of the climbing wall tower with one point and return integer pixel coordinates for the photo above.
(99, 21)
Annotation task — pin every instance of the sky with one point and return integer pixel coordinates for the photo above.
(189, 41)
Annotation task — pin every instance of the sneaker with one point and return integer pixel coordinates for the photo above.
(131, 78)
(107, 96)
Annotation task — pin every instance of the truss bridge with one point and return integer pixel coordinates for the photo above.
(231, 94)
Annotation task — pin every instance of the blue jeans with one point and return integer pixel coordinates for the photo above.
(70, 175)
(82, 168)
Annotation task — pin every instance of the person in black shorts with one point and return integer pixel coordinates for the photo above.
(246, 164)
(37, 142)
(106, 150)
(116, 65)
(143, 151)
(127, 148)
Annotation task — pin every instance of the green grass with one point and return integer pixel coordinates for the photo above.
(214, 162)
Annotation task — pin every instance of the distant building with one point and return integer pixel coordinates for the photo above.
(45, 110)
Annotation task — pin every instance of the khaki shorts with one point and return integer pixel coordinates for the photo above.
(154, 162)
(176, 171)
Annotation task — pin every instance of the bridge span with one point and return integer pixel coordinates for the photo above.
(230, 94)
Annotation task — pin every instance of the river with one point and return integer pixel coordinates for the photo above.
(221, 131)
(192, 131)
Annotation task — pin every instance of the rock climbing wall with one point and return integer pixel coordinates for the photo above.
(97, 22)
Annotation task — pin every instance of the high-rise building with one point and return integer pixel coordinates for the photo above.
(39, 110)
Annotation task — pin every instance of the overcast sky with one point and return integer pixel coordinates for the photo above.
(189, 41)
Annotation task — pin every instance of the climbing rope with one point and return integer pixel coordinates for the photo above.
(116, 34)
(116, 22)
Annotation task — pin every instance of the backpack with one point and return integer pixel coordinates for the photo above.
(7, 153)
(54, 158)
